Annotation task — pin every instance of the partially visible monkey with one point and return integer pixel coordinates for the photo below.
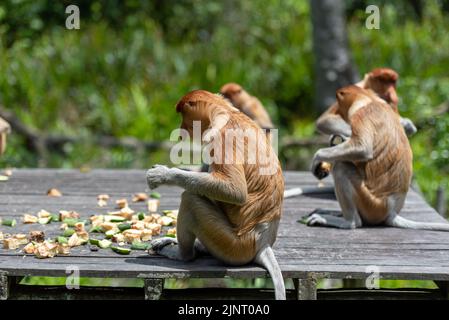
(233, 211)
(382, 81)
(372, 170)
(249, 105)
(5, 129)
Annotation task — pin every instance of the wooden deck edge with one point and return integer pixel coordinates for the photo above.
(26, 292)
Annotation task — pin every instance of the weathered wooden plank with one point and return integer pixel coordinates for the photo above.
(402, 254)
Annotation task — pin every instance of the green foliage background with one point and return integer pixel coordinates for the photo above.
(123, 71)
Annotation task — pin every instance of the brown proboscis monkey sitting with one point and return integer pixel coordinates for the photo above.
(372, 169)
(232, 211)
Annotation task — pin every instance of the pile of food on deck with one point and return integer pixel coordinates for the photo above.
(121, 231)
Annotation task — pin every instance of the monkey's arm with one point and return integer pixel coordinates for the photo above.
(227, 185)
(332, 123)
(354, 149)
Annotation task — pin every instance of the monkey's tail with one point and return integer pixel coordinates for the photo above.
(401, 222)
(307, 190)
(265, 257)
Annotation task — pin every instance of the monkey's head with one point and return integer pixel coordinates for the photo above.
(234, 93)
(347, 96)
(383, 82)
(198, 105)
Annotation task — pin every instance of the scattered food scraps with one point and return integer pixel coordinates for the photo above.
(139, 197)
(36, 236)
(28, 218)
(121, 203)
(53, 192)
(153, 205)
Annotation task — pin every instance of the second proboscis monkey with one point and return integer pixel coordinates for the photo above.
(372, 169)
(249, 105)
(232, 211)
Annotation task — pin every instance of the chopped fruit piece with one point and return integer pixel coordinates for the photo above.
(165, 221)
(153, 205)
(46, 250)
(21, 238)
(104, 197)
(138, 197)
(121, 203)
(63, 214)
(44, 220)
(146, 235)
(118, 238)
(104, 244)
(28, 218)
(54, 193)
(124, 226)
(137, 245)
(29, 248)
(43, 214)
(10, 244)
(171, 232)
(36, 236)
(63, 248)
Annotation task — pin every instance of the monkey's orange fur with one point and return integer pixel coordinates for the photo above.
(249, 105)
(258, 198)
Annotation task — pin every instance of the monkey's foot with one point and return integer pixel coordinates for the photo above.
(327, 218)
(167, 247)
(158, 244)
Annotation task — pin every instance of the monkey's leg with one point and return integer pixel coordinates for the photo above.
(200, 218)
(345, 177)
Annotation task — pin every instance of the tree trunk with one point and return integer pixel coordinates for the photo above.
(333, 63)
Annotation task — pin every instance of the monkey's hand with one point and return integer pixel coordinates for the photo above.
(409, 126)
(158, 175)
(316, 167)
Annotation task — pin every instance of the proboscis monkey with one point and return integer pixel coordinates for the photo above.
(5, 129)
(232, 211)
(249, 105)
(381, 81)
(372, 169)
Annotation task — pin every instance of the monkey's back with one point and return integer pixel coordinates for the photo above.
(390, 170)
(265, 182)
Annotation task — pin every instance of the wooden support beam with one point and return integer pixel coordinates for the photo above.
(153, 288)
(306, 288)
(4, 286)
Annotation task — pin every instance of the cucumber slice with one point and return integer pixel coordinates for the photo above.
(137, 245)
(121, 250)
(155, 195)
(104, 244)
(97, 229)
(70, 221)
(44, 220)
(68, 232)
(61, 240)
(55, 218)
(124, 226)
(9, 222)
(170, 235)
(141, 215)
(110, 233)
(114, 219)
(95, 242)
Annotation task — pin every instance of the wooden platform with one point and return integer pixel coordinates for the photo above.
(304, 253)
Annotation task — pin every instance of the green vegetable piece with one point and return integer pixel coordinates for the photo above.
(104, 244)
(94, 241)
(70, 221)
(62, 240)
(96, 229)
(44, 220)
(138, 245)
(155, 195)
(110, 233)
(121, 250)
(55, 218)
(141, 215)
(9, 222)
(68, 232)
(124, 226)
